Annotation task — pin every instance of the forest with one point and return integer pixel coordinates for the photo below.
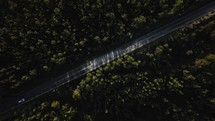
(41, 39)
(169, 80)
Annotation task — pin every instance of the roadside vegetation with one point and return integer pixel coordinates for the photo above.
(172, 80)
(39, 39)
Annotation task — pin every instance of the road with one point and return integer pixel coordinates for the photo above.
(106, 58)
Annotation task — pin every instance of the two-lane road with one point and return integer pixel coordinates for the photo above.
(106, 58)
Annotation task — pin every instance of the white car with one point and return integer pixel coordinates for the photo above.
(22, 100)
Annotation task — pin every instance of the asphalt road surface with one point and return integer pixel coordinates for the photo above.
(106, 58)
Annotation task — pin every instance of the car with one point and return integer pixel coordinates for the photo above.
(22, 100)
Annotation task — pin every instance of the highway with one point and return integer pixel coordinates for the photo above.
(106, 58)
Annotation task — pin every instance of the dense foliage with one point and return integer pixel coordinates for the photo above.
(39, 36)
(172, 81)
